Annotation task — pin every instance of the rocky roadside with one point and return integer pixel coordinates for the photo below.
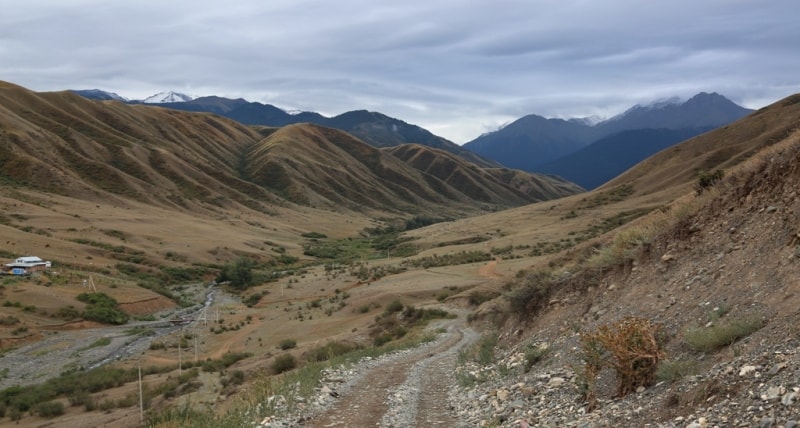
(761, 389)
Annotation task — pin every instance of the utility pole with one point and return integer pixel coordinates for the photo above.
(180, 361)
(141, 396)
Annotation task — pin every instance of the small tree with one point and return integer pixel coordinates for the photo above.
(239, 273)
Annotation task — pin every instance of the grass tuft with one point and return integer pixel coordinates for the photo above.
(709, 339)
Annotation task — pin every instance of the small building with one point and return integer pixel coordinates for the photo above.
(26, 266)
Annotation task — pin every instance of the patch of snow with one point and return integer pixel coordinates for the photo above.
(655, 105)
(167, 97)
(588, 120)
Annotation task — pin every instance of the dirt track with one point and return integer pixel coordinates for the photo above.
(410, 390)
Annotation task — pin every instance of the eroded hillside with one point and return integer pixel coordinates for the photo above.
(715, 271)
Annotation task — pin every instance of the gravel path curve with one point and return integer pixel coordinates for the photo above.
(406, 389)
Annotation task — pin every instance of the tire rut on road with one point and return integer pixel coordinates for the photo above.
(423, 376)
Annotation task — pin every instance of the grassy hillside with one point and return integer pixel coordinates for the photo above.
(144, 201)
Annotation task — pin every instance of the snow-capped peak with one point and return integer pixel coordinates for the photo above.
(588, 120)
(655, 105)
(167, 97)
(99, 94)
(664, 102)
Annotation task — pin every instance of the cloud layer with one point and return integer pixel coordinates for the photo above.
(457, 68)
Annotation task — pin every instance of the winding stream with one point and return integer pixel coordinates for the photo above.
(62, 351)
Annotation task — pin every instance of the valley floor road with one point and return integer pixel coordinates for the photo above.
(408, 389)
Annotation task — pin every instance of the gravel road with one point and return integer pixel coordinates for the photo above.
(405, 389)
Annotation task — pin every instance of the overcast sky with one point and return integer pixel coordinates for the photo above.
(458, 68)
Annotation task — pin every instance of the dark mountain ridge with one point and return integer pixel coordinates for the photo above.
(590, 154)
(373, 128)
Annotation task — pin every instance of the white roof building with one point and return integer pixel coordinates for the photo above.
(25, 265)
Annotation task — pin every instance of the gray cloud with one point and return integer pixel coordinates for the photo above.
(458, 68)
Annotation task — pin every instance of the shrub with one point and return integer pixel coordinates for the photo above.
(9, 320)
(330, 350)
(721, 335)
(482, 351)
(252, 300)
(486, 344)
(534, 354)
(532, 295)
(394, 306)
(237, 377)
(49, 409)
(670, 371)
(107, 405)
(239, 274)
(631, 347)
(287, 344)
(382, 339)
(97, 299)
(68, 313)
(708, 179)
(622, 250)
(476, 298)
(102, 308)
(79, 398)
(283, 363)
(105, 315)
(90, 405)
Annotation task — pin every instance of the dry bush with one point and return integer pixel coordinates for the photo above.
(632, 347)
(626, 245)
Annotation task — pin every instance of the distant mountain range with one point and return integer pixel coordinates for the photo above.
(61, 143)
(373, 128)
(591, 154)
(586, 151)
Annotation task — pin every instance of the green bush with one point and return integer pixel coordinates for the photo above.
(394, 306)
(532, 295)
(283, 363)
(252, 300)
(105, 315)
(237, 377)
(101, 299)
(238, 274)
(102, 308)
(708, 179)
(287, 344)
(382, 339)
(50, 409)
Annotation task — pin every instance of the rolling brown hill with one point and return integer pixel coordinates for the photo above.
(63, 143)
(483, 184)
(684, 260)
